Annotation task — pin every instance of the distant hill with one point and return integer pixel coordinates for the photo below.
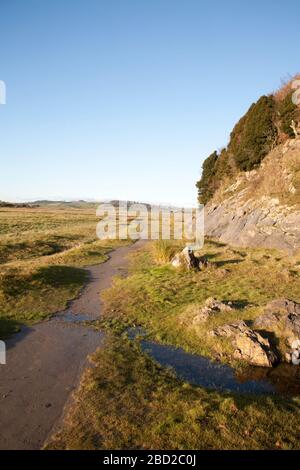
(72, 204)
(81, 204)
(95, 204)
(15, 204)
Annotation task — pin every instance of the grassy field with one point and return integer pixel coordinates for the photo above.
(42, 253)
(127, 401)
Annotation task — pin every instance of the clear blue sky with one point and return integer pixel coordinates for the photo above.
(125, 98)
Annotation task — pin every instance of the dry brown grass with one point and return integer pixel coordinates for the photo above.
(285, 88)
(277, 177)
(164, 250)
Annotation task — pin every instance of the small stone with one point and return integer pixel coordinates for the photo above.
(296, 358)
(288, 357)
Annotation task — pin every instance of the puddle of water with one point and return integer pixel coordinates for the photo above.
(285, 378)
(71, 317)
(198, 370)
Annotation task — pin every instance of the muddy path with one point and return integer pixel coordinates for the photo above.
(45, 362)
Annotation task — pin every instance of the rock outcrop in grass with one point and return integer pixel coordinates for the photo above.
(281, 318)
(211, 307)
(186, 259)
(249, 345)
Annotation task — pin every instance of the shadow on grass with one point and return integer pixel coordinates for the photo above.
(8, 327)
(215, 243)
(60, 276)
(219, 264)
(16, 284)
(239, 304)
(30, 249)
(210, 256)
(49, 247)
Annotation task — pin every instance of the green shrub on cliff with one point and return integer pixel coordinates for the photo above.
(250, 141)
(267, 123)
(288, 112)
(253, 137)
(207, 184)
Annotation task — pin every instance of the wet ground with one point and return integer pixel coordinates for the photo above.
(198, 370)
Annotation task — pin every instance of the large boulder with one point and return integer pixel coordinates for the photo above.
(249, 345)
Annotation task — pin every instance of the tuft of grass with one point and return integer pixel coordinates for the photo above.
(164, 250)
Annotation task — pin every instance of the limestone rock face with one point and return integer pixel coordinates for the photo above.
(250, 345)
(247, 213)
(254, 224)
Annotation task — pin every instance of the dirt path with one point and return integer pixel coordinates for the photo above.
(44, 362)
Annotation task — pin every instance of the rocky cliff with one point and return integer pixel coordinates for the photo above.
(261, 207)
